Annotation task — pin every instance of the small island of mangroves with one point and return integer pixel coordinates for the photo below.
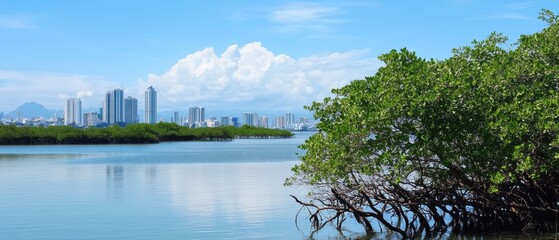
(131, 134)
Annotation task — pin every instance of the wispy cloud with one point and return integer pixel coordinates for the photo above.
(307, 17)
(305, 13)
(15, 22)
(518, 5)
(512, 11)
(511, 16)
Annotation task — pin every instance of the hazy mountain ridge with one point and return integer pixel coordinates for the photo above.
(34, 110)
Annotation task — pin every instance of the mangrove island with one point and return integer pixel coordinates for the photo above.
(131, 134)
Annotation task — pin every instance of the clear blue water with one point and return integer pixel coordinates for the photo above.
(178, 190)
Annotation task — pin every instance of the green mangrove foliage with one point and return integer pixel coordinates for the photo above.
(135, 133)
(465, 144)
(246, 131)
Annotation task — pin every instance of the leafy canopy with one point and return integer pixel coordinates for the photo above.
(477, 130)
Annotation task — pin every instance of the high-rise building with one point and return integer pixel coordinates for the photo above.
(130, 110)
(225, 121)
(250, 119)
(235, 121)
(177, 118)
(280, 122)
(264, 122)
(290, 118)
(73, 111)
(113, 107)
(90, 119)
(246, 119)
(255, 120)
(100, 114)
(106, 108)
(151, 106)
(196, 116)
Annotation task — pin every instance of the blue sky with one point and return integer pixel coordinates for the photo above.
(230, 56)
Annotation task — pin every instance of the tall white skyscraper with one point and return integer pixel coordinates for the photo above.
(196, 116)
(130, 110)
(113, 107)
(73, 111)
(151, 106)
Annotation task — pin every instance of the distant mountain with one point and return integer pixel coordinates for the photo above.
(33, 110)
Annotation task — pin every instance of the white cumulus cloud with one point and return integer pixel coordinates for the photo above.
(241, 78)
(253, 76)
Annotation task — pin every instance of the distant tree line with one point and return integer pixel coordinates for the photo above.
(135, 133)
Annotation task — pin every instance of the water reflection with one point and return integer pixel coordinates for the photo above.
(114, 179)
(205, 191)
(237, 192)
(150, 173)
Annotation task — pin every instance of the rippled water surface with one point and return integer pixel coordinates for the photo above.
(179, 190)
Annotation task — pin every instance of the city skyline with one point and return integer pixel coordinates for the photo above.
(195, 117)
(249, 57)
(115, 105)
(122, 111)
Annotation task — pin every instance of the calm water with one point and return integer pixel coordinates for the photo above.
(180, 190)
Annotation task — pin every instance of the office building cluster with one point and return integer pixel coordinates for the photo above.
(116, 110)
(196, 118)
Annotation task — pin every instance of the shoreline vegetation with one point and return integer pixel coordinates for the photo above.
(131, 134)
(425, 148)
